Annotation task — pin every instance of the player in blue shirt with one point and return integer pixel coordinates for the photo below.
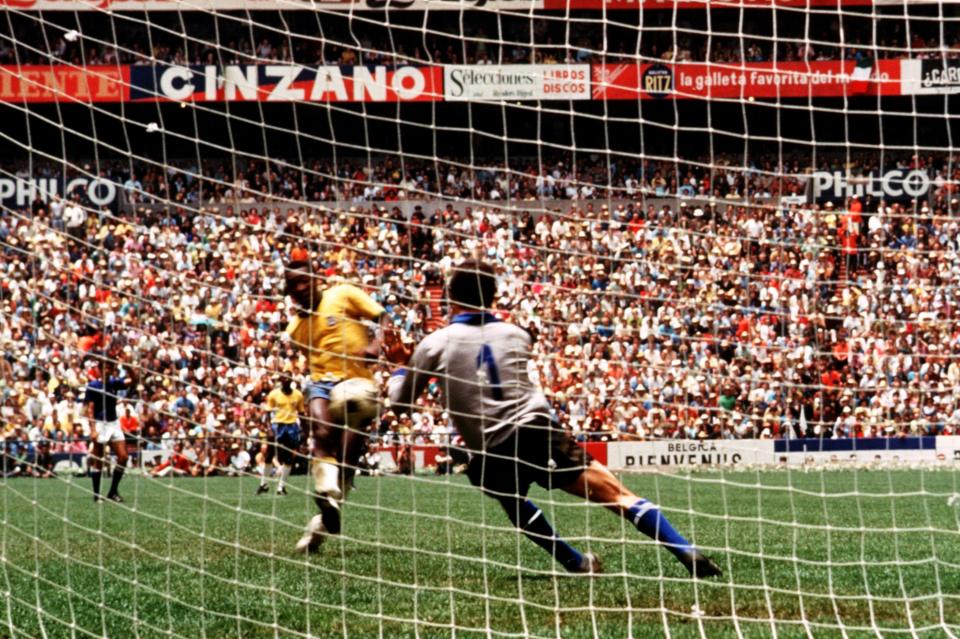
(103, 390)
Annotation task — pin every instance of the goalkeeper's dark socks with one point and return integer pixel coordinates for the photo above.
(651, 522)
(95, 478)
(330, 512)
(537, 529)
(115, 481)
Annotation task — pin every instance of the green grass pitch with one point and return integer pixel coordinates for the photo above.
(818, 554)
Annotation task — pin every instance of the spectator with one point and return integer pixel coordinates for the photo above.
(444, 462)
(720, 319)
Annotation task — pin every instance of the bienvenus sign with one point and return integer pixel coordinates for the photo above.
(896, 184)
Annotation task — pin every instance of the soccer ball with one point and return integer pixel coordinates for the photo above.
(354, 402)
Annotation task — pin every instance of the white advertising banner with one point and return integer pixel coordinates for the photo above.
(930, 77)
(732, 453)
(948, 448)
(858, 458)
(787, 200)
(463, 83)
(896, 184)
(683, 453)
(859, 452)
(19, 192)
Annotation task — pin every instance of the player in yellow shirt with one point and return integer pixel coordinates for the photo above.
(331, 329)
(286, 404)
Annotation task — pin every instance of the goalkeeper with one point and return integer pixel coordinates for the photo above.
(329, 329)
(505, 421)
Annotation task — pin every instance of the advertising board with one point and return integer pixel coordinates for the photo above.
(830, 78)
(422, 5)
(229, 83)
(463, 83)
(686, 453)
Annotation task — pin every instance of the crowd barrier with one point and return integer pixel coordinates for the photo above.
(732, 453)
(492, 84)
(23, 191)
(668, 454)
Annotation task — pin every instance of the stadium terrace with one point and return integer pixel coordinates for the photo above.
(568, 319)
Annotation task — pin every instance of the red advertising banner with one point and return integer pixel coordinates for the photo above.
(286, 83)
(701, 4)
(295, 83)
(427, 5)
(747, 80)
(426, 454)
(64, 84)
(231, 83)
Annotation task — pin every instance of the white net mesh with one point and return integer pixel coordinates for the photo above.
(728, 232)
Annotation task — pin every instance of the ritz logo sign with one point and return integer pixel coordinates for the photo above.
(657, 81)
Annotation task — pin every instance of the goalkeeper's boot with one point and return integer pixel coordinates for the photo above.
(590, 565)
(314, 537)
(326, 484)
(262, 488)
(330, 511)
(281, 491)
(699, 565)
(115, 497)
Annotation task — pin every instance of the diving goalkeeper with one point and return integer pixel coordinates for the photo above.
(329, 329)
(505, 421)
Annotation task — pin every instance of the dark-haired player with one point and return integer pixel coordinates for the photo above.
(505, 421)
(285, 403)
(330, 329)
(103, 391)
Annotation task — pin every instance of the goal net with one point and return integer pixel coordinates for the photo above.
(727, 229)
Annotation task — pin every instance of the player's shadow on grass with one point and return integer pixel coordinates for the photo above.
(541, 575)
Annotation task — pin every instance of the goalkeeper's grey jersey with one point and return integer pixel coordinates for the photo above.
(483, 368)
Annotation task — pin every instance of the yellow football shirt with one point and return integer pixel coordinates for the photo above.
(286, 408)
(334, 336)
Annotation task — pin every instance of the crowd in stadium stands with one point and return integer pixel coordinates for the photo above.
(689, 321)
(448, 40)
(273, 50)
(590, 177)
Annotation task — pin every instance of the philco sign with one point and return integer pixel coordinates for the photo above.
(897, 184)
(19, 192)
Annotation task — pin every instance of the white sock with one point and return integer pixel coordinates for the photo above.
(284, 473)
(326, 478)
(263, 474)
